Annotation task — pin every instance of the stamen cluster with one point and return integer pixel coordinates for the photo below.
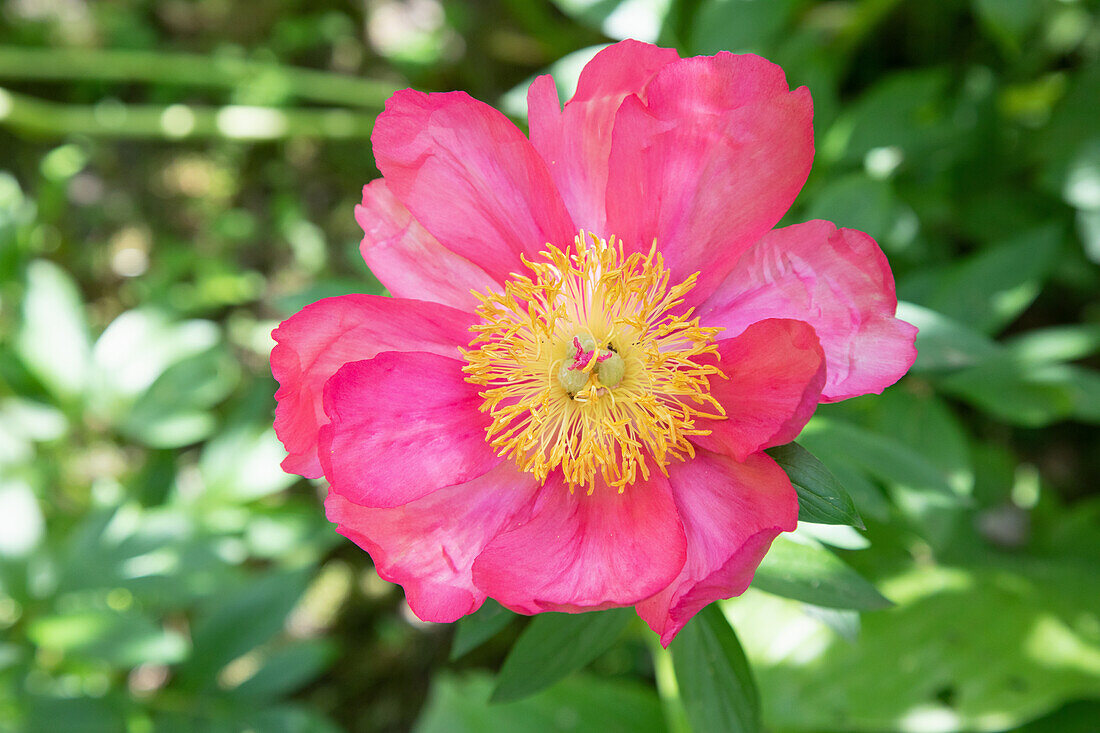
(589, 365)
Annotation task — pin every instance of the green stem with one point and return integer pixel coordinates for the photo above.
(177, 121)
(22, 63)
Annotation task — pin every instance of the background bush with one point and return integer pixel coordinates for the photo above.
(176, 177)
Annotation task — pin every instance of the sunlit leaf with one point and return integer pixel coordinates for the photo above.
(53, 338)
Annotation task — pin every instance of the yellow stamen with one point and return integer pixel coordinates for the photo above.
(523, 352)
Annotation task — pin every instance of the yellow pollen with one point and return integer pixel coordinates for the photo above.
(587, 365)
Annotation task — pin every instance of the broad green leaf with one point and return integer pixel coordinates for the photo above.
(119, 639)
(53, 338)
(579, 704)
(808, 572)
(821, 498)
(22, 525)
(554, 645)
(474, 630)
(714, 678)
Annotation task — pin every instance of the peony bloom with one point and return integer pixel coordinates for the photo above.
(593, 336)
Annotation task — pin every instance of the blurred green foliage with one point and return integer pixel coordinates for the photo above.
(178, 176)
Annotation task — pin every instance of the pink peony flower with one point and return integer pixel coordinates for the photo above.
(593, 336)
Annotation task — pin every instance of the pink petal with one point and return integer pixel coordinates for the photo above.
(731, 512)
(774, 374)
(838, 281)
(429, 545)
(576, 142)
(322, 337)
(580, 552)
(470, 178)
(401, 426)
(409, 261)
(703, 179)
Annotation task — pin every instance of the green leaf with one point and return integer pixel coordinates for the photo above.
(579, 704)
(821, 498)
(474, 630)
(22, 525)
(554, 645)
(53, 337)
(714, 678)
(810, 573)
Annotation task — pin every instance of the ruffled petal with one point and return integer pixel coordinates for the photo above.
(838, 281)
(774, 374)
(408, 260)
(470, 178)
(576, 142)
(322, 337)
(731, 513)
(428, 546)
(702, 178)
(583, 552)
(402, 425)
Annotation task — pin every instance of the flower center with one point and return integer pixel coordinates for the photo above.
(588, 366)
